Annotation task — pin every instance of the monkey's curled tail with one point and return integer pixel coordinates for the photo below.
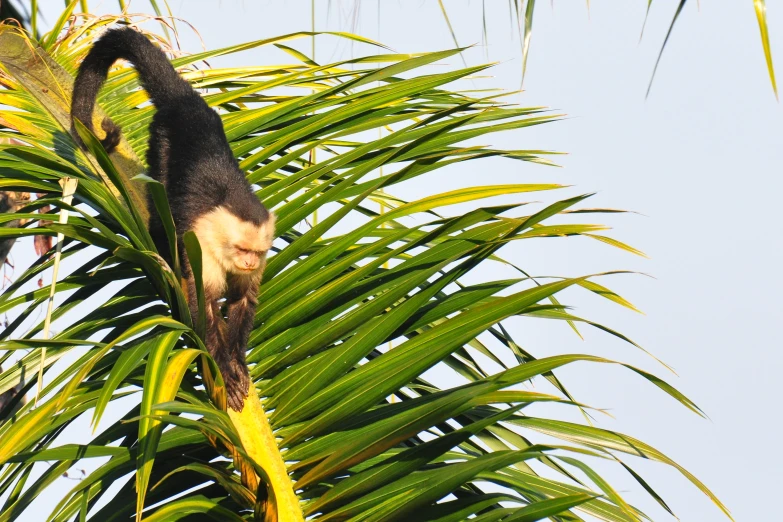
(158, 77)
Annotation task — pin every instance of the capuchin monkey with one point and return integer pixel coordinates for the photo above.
(208, 194)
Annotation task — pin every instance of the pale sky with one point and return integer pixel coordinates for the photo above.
(698, 160)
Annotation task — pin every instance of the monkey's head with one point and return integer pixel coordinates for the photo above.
(237, 244)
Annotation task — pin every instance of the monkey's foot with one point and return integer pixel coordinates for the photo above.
(237, 379)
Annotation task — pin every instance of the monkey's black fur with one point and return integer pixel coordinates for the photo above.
(188, 150)
(189, 154)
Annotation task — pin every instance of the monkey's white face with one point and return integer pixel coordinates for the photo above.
(235, 246)
(244, 244)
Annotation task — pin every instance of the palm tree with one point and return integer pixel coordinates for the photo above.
(356, 306)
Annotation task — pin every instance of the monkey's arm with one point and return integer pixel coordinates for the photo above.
(215, 328)
(242, 301)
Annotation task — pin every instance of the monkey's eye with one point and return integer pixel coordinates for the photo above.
(249, 251)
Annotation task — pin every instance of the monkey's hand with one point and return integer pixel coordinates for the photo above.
(237, 380)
